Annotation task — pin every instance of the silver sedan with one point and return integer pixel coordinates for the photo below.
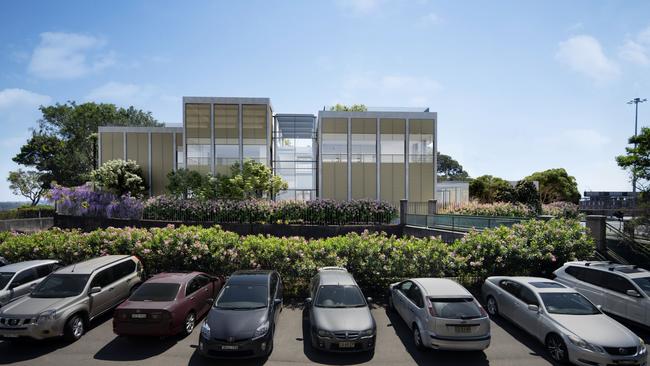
(571, 327)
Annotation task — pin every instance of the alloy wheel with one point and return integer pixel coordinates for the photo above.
(77, 327)
(189, 323)
(492, 306)
(556, 349)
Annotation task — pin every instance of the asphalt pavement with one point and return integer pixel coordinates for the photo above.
(100, 346)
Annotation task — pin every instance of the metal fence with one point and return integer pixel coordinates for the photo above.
(460, 222)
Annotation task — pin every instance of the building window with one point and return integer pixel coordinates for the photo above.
(198, 136)
(392, 137)
(363, 152)
(421, 169)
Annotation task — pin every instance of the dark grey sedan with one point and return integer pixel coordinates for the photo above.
(339, 315)
(242, 321)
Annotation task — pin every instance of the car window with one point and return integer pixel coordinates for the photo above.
(243, 296)
(60, 285)
(616, 283)
(404, 287)
(591, 276)
(44, 270)
(643, 283)
(5, 277)
(455, 308)
(337, 296)
(416, 296)
(528, 296)
(510, 287)
(202, 280)
(103, 278)
(123, 269)
(574, 271)
(24, 277)
(156, 292)
(568, 303)
(314, 286)
(274, 285)
(192, 286)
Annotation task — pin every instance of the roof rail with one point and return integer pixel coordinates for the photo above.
(332, 268)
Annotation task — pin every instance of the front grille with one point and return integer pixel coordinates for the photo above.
(15, 322)
(620, 351)
(346, 335)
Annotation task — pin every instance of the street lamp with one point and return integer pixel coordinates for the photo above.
(636, 102)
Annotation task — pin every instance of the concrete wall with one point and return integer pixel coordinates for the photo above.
(27, 225)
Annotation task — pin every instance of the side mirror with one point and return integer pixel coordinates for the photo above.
(277, 302)
(209, 301)
(599, 307)
(33, 286)
(308, 301)
(95, 290)
(369, 299)
(532, 307)
(633, 293)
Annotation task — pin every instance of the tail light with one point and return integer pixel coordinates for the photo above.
(480, 308)
(432, 310)
(121, 315)
(160, 315)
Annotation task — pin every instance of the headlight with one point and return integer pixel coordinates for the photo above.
(205, 330)
(261, 330)
(642, 348)
(325, 333)
(579, 342)
(46, 316)
(367, 332)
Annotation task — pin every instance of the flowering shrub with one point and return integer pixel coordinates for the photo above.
(505, 209)
(169, 208)
(376, 260)
(85, 201)
(561, 209)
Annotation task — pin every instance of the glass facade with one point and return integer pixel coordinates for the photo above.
(392, 137)
(226, 136)
(294, 146)
(364, 158)
(197, 137)
(334, 134)
(421, 169)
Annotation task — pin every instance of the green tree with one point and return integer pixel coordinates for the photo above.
(450, 169)
(488, 189)
(556, 185)
(637, 159)
(525, 192)
(64, 144)
(252, 180)
(186, 183)
(352, 108)
(120, 177)
(27, 184)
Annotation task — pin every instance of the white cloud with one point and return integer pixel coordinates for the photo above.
(585, 55)
(69, 56)
(637, 51)
(389, 90)
(430, 19)
(19, 98)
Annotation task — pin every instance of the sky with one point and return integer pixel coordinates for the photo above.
(519, 86)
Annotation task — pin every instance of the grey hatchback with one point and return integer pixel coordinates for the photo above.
(339, 315)
(18, 279)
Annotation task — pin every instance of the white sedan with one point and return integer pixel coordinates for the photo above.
(570, 326)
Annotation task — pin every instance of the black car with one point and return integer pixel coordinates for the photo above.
(242, 320)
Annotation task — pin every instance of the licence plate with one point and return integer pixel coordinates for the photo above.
(346, 344)
(463, 329)
(10, 335)
(229, 348)
(139, 316)
(626, 362)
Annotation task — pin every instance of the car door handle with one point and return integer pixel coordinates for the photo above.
(111, 288)
(129, 280)
(192, 298)
(411, 310)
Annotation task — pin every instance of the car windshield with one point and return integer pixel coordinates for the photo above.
(335, 296)
(644, 283)
(568, 303)
(156, 292)
(455, 308)
(60, 285)
(5, 277)
(242, 297)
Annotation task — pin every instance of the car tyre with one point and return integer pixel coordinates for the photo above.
(492, 307)
(75, 327)
(557, 349)
(417, 338)
(189, 323)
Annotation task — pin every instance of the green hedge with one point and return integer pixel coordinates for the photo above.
(27, 212)
(376, 260)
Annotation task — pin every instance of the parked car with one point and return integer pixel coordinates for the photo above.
(18, 279)
(242, 321)
(3, 261)
(571, 327)
(339, 315)
(67, 300)
(167, 304)
(441, 314)
(621, 290)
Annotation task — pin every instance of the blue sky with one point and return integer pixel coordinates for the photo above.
(519, 86)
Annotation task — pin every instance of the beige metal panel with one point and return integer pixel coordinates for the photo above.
(226, 124)
(137, 149)
(364, 125)
(415, 182)
(162, 160)
(179, 140)
(364, 181)
(392, 126)
(335, 181)
(112, 146)
(335, 125)
(392, 182)
(254, 124)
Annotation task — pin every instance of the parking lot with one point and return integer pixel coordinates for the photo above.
(510, 346)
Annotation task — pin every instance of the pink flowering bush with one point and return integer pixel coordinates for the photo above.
(503, 209)
(561, 209)
(376, 260)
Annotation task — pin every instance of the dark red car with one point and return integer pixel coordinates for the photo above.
(167, 304)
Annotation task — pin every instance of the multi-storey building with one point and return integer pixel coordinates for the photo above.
(385, 155)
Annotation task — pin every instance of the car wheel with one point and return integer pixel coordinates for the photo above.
(417, 338)
(74, 328)
(492, 307)
(189, 323)
(557, 349)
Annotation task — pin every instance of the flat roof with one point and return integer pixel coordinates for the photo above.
(228, 100)
(164, 129)
(379, 114)
(91, 265)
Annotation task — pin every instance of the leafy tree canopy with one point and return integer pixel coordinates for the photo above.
(637, 159)
(488, 189)
(26, 184)
(351, 108)
(556, 185)
(252, 180)
(186, 183)
(120, 177)
(450, 169)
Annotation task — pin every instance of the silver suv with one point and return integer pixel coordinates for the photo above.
(18, 279)
(622, 290)
(68, 299)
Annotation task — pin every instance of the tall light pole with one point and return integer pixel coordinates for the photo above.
(636, 102)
